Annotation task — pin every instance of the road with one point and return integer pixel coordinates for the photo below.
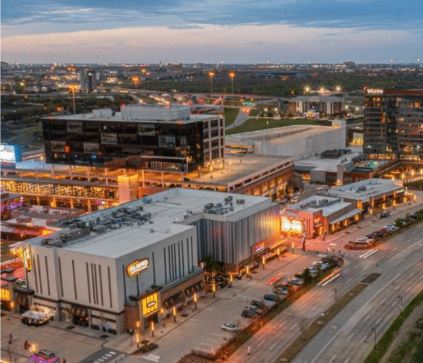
(350, 336)
(397, 258)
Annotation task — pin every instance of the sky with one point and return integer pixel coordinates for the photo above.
(211, 31)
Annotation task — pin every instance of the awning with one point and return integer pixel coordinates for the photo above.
(345, 216)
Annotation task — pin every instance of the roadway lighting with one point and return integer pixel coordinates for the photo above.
(195, 300)
(322, 89)
(211, 74)
(232, 76)
(307, 89)
(231, 279)
(263, 261)
(338, 88)
(152, 328)
(72, 88)
(174, 313)
(214, 289)
(135, 80)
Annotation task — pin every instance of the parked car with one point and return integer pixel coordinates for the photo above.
(249, 313)
(44, 356)
(384, 214)
(271, 297)
(258, 303)
(280, 290)
(295, 281)
(313, 272)
(230, 326)
(258, 310)
(35, 318)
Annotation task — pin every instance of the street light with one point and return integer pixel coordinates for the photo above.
(232, 76)
(307, 89)
(211, 75)
(214, 289)
(195, 300)
(135, 80)
(152, 328)
(72, 88)
(174, 313)
(338, 88)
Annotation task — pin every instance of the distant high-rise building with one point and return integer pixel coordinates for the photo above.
(393, 123)
(88, 80)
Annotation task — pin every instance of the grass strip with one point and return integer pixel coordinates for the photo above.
(385, 341)
(309, 333)
(230, 115)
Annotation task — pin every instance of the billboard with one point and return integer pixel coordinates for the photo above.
(150, 304)
(10, 153)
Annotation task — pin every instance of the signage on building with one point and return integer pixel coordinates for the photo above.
(259, 247)
(150, 304)
(26, 257)
(291, 225)
(10, 153)
(5, 294)
(374, 91)
(136, 267)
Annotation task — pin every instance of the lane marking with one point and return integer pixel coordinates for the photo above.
(273, 345)
(260, 343)
(333, 358)
(281, 324)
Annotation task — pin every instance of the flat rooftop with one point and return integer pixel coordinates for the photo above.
(240, 167)
(139, 114)
(364, 189)
(279, 135)
(315, 203)
(131, 226)
(329, 165)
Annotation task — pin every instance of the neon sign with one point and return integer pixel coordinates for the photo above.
(136, 267)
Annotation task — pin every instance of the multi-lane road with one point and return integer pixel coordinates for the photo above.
(349, 336)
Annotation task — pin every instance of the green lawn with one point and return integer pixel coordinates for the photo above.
(230, 115)
(253, 124)
(388, 337)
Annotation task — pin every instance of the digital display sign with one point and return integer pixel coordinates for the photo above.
(10, 153)
(5, 294)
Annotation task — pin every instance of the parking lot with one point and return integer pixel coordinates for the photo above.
(203, 331)
(66, 344)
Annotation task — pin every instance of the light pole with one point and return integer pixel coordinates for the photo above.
(211, 75)
(374, 330)
(72, 88)
(135, 80)
(174, 313)
(232, 76)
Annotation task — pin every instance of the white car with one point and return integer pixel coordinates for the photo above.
(230, 326)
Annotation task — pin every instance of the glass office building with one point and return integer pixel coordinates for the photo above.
(150, 137)
(393, 123)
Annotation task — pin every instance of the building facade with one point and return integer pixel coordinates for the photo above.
(393, 122)
(148, 137)
(139, 261)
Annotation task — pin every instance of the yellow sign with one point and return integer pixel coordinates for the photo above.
(5, 294)
(291, 225)
(26, 257)
(150, 304)
(136, 267)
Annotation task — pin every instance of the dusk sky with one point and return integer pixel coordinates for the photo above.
(212, 31)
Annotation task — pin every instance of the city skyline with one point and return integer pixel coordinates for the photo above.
(235, 32)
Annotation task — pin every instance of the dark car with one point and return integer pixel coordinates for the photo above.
(258, 303)
(271, 297)
(384, 214)
(249, 313)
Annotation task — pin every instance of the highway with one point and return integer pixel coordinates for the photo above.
(399, 260)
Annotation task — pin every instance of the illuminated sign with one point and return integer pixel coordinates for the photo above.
(136, 267)
(259, 247)
(26, 257)
(5, 294)
(10, 153)
(150, 304)
(291, 225)
(374, 91)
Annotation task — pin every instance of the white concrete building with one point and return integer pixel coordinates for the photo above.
(297, 142)
(113, 267)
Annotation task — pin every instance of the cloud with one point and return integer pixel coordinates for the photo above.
(209, 43)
